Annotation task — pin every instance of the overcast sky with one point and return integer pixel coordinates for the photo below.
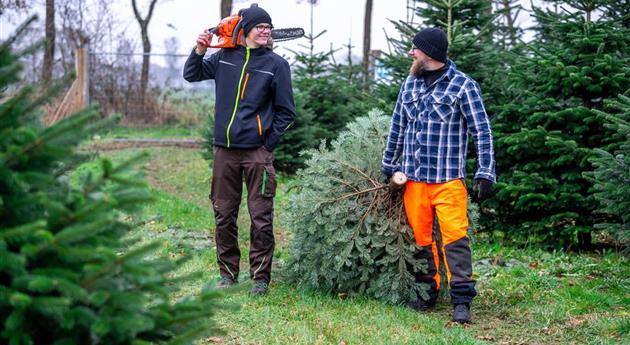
(185, 19)
(343, 20)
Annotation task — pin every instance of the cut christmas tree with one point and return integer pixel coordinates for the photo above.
(351, 232)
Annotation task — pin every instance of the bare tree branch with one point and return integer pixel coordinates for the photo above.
(146, 43)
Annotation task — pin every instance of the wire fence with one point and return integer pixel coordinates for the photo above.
(115, 84)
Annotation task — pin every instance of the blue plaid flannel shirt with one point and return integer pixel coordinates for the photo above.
(430, 127)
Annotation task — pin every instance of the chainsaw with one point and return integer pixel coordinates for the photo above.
(229, 32)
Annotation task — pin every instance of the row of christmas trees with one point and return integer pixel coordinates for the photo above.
(546, 98)
(70, 273)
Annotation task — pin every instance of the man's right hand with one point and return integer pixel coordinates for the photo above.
(203, 42)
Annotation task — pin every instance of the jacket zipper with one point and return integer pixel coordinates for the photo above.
(259, 125)
(238, 92)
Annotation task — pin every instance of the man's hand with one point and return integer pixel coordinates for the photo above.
(483, 188)
(203, 42)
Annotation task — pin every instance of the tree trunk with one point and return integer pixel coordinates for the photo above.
(146, 57)
(367, 37)
(226, 8)
(146, 45)
(49, 51)
(507, 7)
(487, 12)
(585, 240)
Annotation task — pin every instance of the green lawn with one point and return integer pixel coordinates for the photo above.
(526, 296)
(151, 132)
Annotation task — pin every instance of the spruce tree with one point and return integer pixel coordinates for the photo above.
(545, 135)
(69, 271)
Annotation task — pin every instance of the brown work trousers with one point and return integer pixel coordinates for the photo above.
(230, 168)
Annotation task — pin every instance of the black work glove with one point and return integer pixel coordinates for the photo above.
(482, 188)
(384, 178)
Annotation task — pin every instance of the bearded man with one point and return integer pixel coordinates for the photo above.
(437, 107)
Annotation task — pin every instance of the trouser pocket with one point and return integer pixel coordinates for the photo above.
(268, 186)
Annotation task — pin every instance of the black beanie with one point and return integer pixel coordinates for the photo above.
(433, 42)
(253, 16)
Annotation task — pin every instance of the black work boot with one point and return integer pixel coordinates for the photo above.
(225, 282)
(461, 313)
(420, 305)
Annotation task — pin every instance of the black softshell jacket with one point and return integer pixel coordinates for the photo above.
(254, 99)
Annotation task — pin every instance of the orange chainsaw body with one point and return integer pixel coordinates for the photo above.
(228, 32)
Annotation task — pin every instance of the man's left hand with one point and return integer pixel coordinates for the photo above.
(483, 188)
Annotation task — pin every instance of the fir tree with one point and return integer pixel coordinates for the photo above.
(470, 26)
(328, 95)
(351, 232)
(545, 135)
(612, 175)
(69, 274)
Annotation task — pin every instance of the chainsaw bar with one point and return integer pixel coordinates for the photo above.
(279, 35)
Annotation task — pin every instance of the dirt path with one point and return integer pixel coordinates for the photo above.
(125, 143)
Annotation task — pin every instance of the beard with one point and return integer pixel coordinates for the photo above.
(416, 68)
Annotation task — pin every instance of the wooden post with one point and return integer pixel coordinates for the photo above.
(78, 96)
(81, 65)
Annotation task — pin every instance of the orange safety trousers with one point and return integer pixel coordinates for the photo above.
(448, 201)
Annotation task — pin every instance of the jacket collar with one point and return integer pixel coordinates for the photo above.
(258, 51)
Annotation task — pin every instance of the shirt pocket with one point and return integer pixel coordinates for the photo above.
(441, 108)
(409, 101)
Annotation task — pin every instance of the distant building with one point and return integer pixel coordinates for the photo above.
(378, 70)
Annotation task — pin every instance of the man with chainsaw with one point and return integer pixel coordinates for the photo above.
(254, 107)
(437, 107)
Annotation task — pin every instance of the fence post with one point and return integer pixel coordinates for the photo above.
(81, 65)
(78, 95)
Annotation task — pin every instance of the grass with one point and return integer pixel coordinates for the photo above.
(151, 132)
(526, 296)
